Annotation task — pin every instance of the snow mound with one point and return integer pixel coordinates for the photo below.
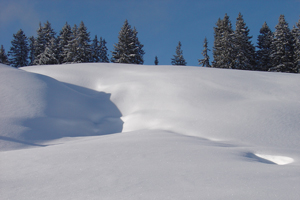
(258, 108)
(37, 108)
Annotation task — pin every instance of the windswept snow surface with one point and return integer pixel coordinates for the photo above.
(179, 133)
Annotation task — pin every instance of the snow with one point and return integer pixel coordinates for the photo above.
(279, 160)
(120, 131)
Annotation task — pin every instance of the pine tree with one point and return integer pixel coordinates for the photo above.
(65, 36)
(205, 61)
(83, 40)
(103, 51)
(95, 50)
(217, 48)
(49, 34)
(296, 45)
(244, 49)
(45, 35)
(178, 58)
(223, 50)
(49, 56)
(121, 53)
(3, 56)
(70, 51)
(282, 48)
(263, 54)
(38, 43)
(19, 50)
(128, 49)
(156, 60)
(31, 50)
(138, 52)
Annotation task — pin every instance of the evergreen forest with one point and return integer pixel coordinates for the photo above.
(277, 51)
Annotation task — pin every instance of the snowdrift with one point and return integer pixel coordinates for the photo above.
(36, 108)
(179, 133)
(252, 107)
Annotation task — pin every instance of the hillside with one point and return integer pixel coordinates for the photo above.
(117, 131)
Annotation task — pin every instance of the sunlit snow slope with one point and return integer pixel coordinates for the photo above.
(252, 107)
(118, 131)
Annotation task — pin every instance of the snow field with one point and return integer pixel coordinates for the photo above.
(180, 133)
(257, 107)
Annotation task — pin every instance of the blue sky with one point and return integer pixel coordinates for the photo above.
(160, 23)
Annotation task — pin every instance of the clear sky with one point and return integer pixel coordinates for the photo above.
(160, 23)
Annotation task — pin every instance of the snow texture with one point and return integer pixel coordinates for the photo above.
(179, 133)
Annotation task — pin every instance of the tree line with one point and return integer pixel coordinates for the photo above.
(275, 51)
(72, 45)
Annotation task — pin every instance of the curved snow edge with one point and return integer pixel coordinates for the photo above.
(279, 160)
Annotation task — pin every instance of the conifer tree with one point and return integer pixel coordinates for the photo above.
(217, 48)
(38, 43)
(83, 40)
(95, 50)
(65, 36)
(103, 51)
(156, 60)
(49, 56)
(282, 48)
(45, 35)
(205, 61)
(49, 33)
(19, 50)
(223, 50)
(3, 56)
(263, 54)
(70, 51)
(121, 53)
(138, 52)
(31, 50)
(296, 45)
(244, 49)
(178, 58)
(128, 49)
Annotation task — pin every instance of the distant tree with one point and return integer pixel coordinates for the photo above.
(95, 50)
(156, 60)
(48, 33)
(49, 56)
(3, 56)
(282, 48)
(128, 49)
(45, 36)
(205, 61)
(83, 40)
(263, 53)
(217, 48)
(296, 45)
(103, 51)
(138, 51)
(19, 50)
(178, 57)
(244, 49)
(223, 50)
(65, 36)
(39, 43)
(31, 50)
(70, 52)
